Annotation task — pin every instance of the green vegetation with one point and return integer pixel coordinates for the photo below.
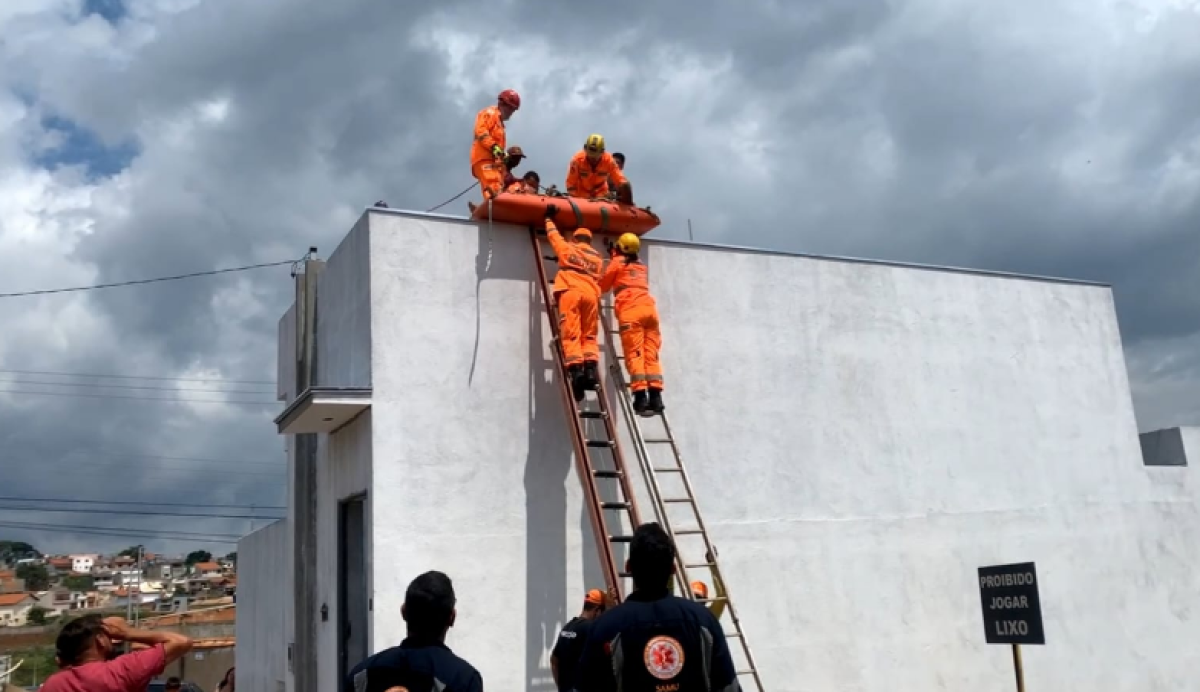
(198, 556)
(79, 582)
(37, 615)
(37, 577)
(16, 550)
(38, 665)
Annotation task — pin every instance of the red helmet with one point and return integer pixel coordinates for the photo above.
(510, 98)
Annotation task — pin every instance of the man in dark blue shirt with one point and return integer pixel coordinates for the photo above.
(656, 642)
(564, 660)
(422, 662)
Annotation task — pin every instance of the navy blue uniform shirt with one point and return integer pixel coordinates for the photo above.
(418, 662)
(655, 642)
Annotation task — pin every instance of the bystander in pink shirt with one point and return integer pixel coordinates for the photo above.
(128, 673)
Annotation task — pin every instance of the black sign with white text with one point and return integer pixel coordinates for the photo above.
(1012, 613)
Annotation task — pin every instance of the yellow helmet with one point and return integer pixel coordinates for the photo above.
(594, 144)
(629, 243)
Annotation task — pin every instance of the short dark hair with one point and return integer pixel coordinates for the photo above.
(429, 603)
(76, 637)
(651, 557)
(619, 156)
(532, 174)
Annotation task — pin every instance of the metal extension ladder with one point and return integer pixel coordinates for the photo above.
(654, 475)
(592, 429)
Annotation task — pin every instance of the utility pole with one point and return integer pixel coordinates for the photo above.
(138, 613)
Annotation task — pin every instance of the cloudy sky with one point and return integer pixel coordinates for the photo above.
(143, 138)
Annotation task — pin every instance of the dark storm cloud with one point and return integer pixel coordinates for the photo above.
(1019, 137)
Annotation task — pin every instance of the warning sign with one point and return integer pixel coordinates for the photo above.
(1012, 613)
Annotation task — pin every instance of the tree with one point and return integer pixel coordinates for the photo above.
(131, 551)
(79, 582)
(232, 557)
(37, 615)
(37, 577)
(16, 550)
(198, 556)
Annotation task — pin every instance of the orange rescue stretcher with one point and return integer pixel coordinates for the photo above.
(597, 215)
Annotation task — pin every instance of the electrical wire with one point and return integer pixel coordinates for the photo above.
(137, 282)
(472, 186)
(132, 503)
(134, 513)
(82, 395)
(128, 532)
(137, 387)
(134, 377)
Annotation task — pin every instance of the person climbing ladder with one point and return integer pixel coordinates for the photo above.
(637, 317)
(577, 296)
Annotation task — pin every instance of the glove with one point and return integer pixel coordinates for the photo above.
(498, 152)
(551, 211)
(612, 249)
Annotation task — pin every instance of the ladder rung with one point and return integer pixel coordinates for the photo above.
(688, 532)
(620, 539)
(599, 443)
(700, 565)
(614, 505)
(552, 258)
(746, 671)
(711, 600)
(606, 474)
(733, 634)
(591, 414)
(625, 575)
(667, 469)
(678, 500)
(658, 441)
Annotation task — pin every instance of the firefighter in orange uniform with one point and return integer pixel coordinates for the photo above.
(637, 315)
(487, 150)
(590, 171)
(577, 296)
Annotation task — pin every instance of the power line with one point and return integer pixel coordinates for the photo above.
(135, 377)
(132, 503)
(134, 512)
(137, 387)
(453, 198)
(122, 531)
(137, 282)
(82, 395)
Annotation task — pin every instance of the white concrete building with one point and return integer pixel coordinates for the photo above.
(82, 564)
(14, 609)
(862, 436)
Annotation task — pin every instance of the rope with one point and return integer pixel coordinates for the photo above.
(471, 187)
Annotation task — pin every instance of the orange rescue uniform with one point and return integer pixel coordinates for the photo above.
(637, 315)
(487, 169)
(590, 181)
(577, 293)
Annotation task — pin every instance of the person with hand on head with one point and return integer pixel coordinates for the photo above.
(422, 662)
(577, 297)
(87, 657)
(488, 157)
(591, 169)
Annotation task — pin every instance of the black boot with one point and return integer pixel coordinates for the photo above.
(575, 376)
(591, 375)
(655, 405)
(639, 402)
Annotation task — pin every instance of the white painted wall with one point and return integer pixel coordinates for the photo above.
(862, 438)
(343, 470)
(264, 596)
